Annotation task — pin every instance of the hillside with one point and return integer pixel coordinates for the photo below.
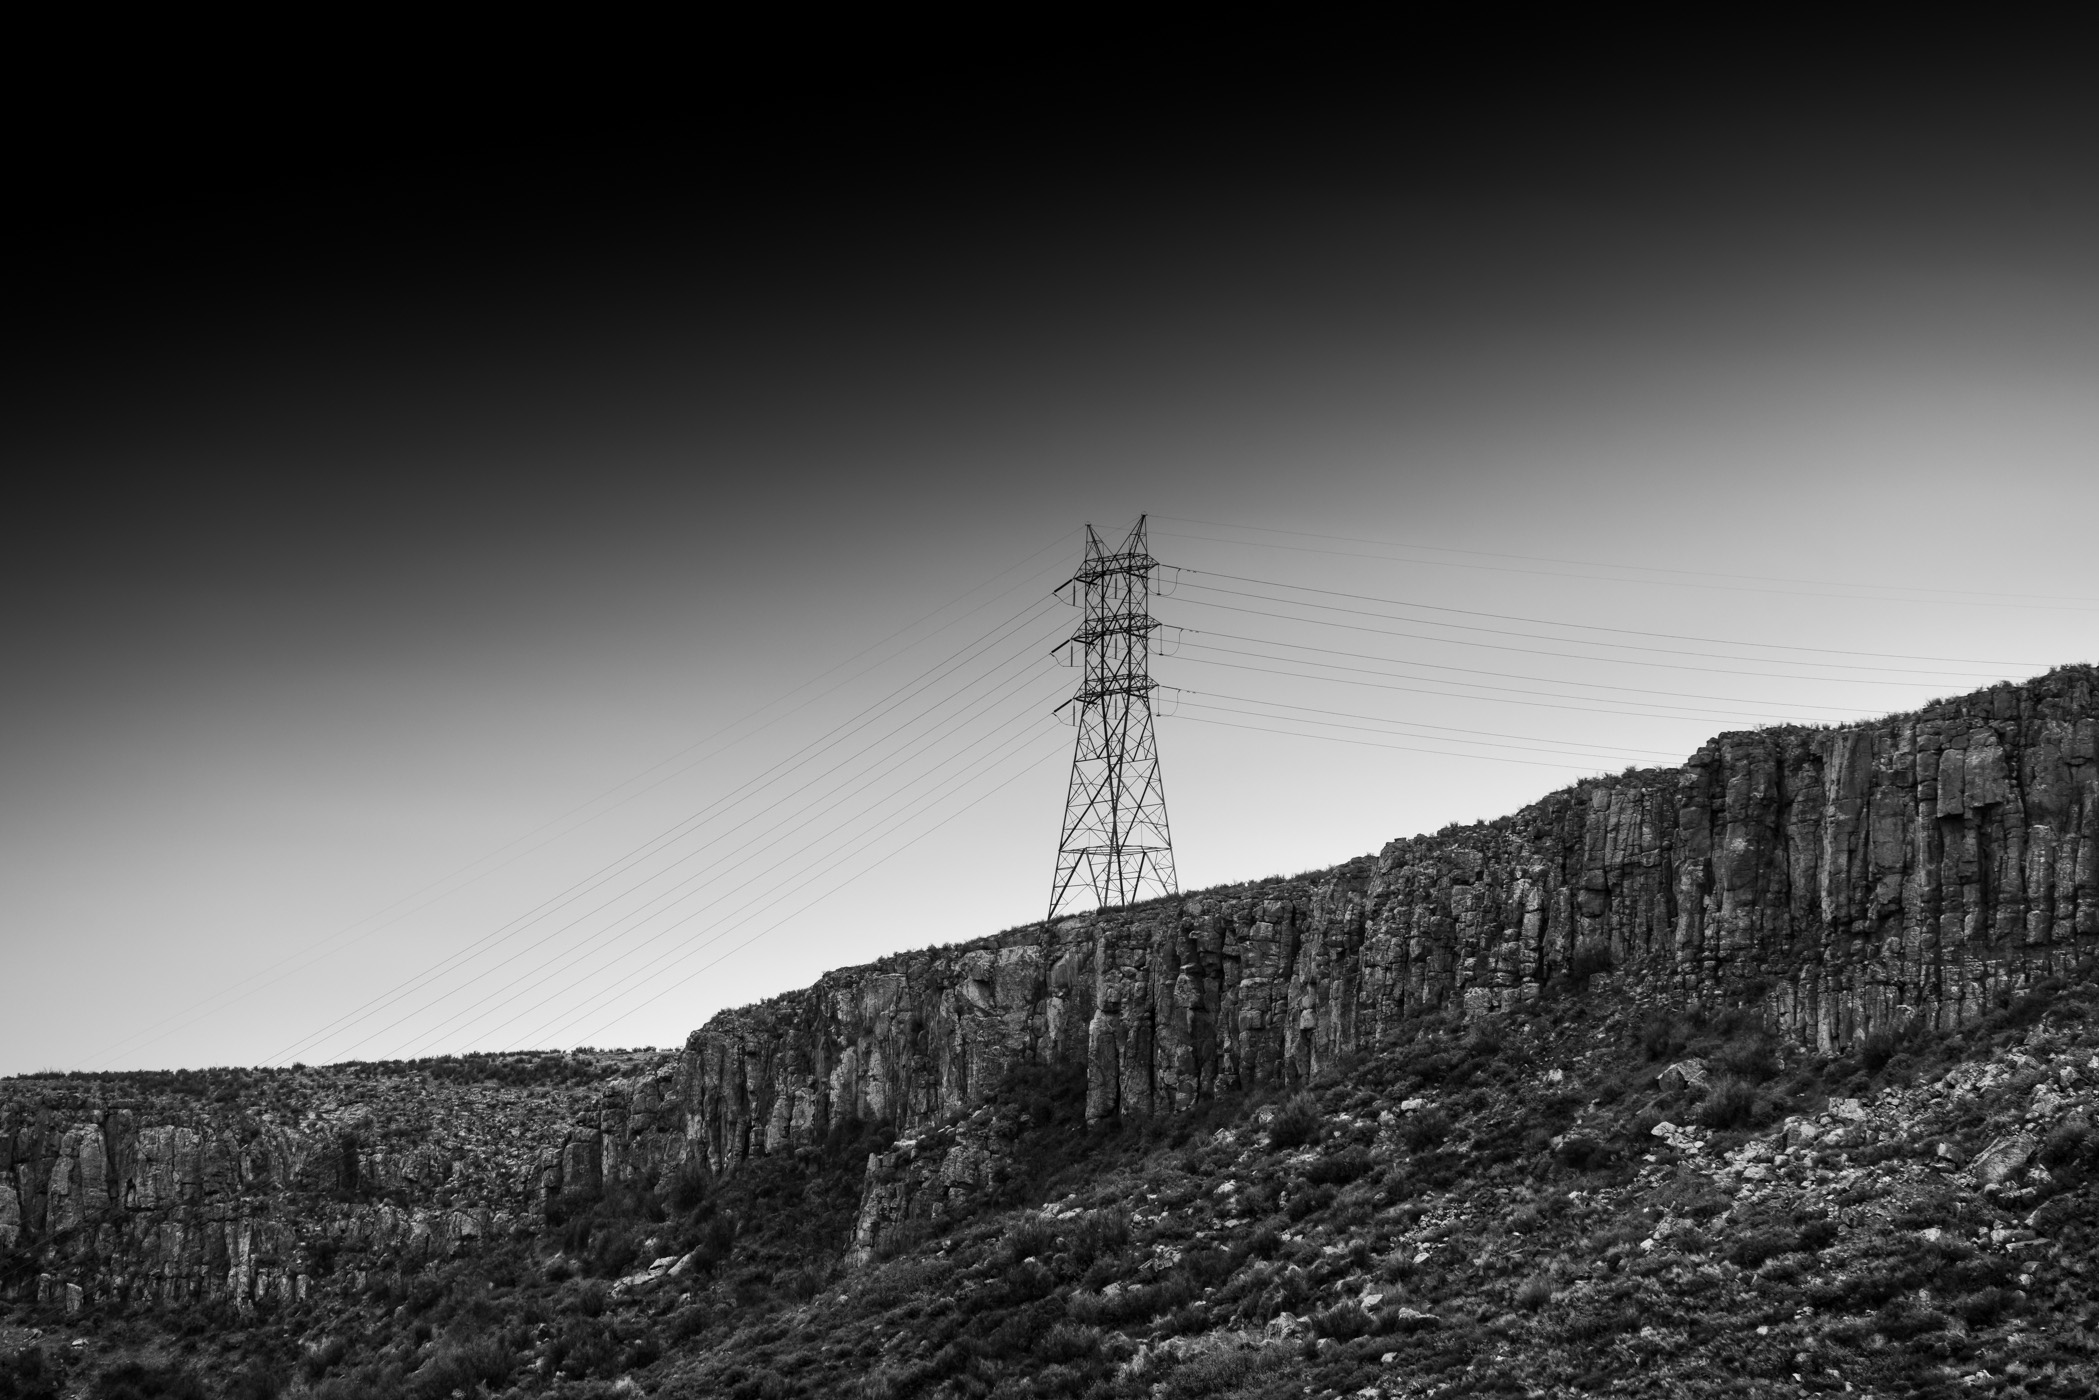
(1772, 1071)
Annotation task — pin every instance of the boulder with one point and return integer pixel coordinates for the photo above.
(2003, 1159)
(1684, 1076)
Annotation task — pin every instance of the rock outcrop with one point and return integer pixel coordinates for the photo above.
(1848, 880)
(1919, 869)
(250, 1188)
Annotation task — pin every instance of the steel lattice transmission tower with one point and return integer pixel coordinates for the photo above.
(1115, 841)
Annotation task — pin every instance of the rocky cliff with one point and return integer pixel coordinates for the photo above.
(252, 1188)
(1912, 872)
(1919, 868)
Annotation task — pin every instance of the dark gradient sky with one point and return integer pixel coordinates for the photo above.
(390, 492)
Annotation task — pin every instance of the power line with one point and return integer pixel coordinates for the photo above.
(1942, 676)
(1577, 626)
(790, 763)
(1693, 717)
(804, 908)
(635, 950)
(2043, 602)
(249, 986)
(691, 824)
(1473, 671)
(1381, 725)
(1403, 748)
(722, 869)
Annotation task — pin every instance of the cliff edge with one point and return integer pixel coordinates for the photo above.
(1909, 871)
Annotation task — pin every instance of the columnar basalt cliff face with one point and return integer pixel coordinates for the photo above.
(253, 1189)
(1847, 879)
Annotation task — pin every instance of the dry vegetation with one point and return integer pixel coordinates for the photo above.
(1526, 1205)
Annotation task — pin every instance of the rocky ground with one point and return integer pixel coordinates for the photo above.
(1585, 1198)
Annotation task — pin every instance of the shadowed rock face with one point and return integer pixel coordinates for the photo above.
(1848, 879)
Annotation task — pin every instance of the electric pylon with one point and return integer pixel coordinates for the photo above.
(1115, 838)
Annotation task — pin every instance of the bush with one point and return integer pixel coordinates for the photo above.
(687, 1322)
(1662, 1036)
(321, 1359)
(24, 1376)
(2067, 1142)
(582, 1348)
(1753, 1250)
(1535, 1293)
(1730, 1103)
(1095, 1233)
(1588, 962)
(1425, 1129)
(134, 1381)
(462, 1366)
(258, 1380)
(1068, 1342)
(1344, 1322)
(1295, 1123)
(1902, 1319)
(1982, 1309)
(1028, 1237)
(1877, 1049)
(1579, 1153)
(1751, 1057)
(689, 1188)
(1340, 1168)
(1816, 1236)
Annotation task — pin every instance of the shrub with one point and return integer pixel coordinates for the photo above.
(1425, 1129)
(1295, 1123)
(689, 1188)
(319, 1360)
(24, 1376)
(258, 1380)
(1731, 1103)
(1535, 1293)
(1982, 1309)
(716, 1243)
(1595, 1324)
(2067, 1142)
(1903, 1319)
(1488, 1036)
(462, 1366)
(1753, 1250)
(687, 1322)
(1816, 1236)
(1340, 1168)
(1067, 1342)
(582, 1348)
(1751, 1057)
(1661, 1036)
(1579, 1153)
(1588, 962)
(894, 1282)
(1344, 1322)
(134, 1381)
(1877, 1049)
(1095, 1233)
(1028, 1237)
